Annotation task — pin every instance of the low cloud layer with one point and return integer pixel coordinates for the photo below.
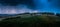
(15, 9)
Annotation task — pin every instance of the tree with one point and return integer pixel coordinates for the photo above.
(57, 14)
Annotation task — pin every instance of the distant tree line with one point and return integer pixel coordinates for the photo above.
(58, 14)
(48, 13)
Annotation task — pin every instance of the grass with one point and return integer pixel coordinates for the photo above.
(32, 21)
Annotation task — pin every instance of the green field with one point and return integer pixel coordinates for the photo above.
(31, 21)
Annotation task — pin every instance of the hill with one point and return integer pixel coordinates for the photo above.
(31, 20)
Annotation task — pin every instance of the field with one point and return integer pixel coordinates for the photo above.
(28, 20)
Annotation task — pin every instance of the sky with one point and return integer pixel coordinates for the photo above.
(22, 6)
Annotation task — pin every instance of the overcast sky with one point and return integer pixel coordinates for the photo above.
(22, 6)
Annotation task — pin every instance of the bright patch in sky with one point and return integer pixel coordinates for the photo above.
(10, 11)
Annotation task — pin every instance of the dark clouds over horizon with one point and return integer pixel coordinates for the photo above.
(21, 6)
(29, 3)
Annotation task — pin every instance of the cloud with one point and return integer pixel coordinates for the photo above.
(10, 11)
(29, 3)
(22, 6)
(15, 10)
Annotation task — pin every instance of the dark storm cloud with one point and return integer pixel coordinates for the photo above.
(17, 2)
(58, 3)
(55, 3)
